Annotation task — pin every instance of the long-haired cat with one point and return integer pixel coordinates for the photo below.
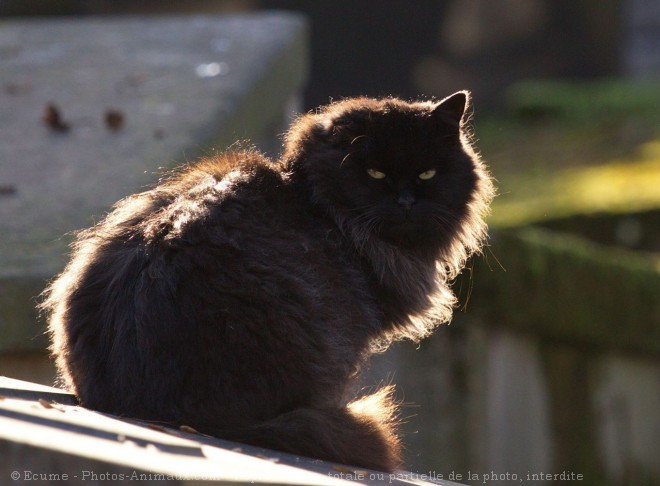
(240, 296)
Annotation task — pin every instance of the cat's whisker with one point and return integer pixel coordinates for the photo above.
(365, 225)
(359, 137)
(444, 222)
(441, 219)
(344, 159)
(445, 217)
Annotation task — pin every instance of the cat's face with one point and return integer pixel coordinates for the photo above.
(399, 169)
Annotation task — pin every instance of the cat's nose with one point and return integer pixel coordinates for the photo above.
(406, 200)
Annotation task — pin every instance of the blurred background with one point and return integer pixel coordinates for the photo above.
(434, 47)
(552, 363)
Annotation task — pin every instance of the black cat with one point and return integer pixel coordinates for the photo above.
(240, 296)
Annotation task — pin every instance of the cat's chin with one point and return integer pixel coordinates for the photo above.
(411, 235)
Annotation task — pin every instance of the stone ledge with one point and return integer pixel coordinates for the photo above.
(542, 282)
(43, 432)
(185, 85)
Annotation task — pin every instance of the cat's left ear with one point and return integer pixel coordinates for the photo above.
(452, 109)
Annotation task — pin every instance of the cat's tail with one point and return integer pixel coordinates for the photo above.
(362, 434)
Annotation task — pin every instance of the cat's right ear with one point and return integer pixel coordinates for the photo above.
(451, 110)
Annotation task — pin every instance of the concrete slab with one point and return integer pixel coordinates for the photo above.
(129, 96)
(41, 437)
(184, 85)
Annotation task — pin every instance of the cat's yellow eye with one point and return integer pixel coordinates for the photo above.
(376, 174)
(426, 175)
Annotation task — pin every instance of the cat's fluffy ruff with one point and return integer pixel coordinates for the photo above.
(241, 296)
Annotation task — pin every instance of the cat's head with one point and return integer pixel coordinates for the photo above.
(402, 172)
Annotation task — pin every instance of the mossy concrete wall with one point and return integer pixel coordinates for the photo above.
(564, 287)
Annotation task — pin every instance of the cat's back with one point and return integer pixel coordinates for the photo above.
(212, 253)
(202, 218)
(212, 198)
(157, 248)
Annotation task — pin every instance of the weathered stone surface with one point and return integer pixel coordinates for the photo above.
(179, 87)
(35, 423)
(183, 85)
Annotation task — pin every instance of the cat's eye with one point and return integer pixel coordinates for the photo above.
(426, 175)
(376, 174)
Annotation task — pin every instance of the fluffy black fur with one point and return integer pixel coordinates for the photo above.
(241, 296)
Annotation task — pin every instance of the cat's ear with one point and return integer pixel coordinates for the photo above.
(451, 110)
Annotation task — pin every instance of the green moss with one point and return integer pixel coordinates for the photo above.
(619, 186)
(638, 231)
(564, 287)
(579, 101)
(547, 126)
